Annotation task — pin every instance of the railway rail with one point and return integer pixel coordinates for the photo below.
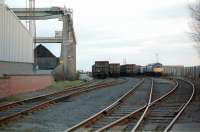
(161, 113)
(68, 89)
(17, 109)
(119, 108)
(16, 103)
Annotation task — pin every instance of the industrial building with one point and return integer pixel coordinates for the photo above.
(45, 60)
(67, 68)
(192, 72)
(173, 70)
(16, 45)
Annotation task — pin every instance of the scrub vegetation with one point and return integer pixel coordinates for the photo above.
(64, 84)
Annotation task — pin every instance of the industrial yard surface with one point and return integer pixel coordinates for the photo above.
(71, 111)
(67, 113)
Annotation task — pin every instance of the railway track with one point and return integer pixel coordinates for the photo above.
(14, 104)
(160, 114)
(133, 99)
(17, 109)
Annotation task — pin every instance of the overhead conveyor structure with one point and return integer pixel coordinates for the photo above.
(41, 13)
(48, 40)
(67, 68)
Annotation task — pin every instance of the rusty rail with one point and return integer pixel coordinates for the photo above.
(13, 104)
(128, 116)
(45, 104)
(108, 109)
(182, 108)
(146, 109)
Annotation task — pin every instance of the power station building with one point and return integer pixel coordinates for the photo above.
(16, 44)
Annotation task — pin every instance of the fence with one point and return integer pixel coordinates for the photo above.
(192, 72)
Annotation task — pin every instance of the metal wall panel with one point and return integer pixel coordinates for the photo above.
(173, 70)
(16, 43)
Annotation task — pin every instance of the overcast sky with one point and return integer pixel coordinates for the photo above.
(132, 29)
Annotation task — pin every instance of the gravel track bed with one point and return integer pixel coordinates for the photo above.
(49, 90)
(191, 114)
(162, 113)
(63, 115)
(190, 119)
(161, 86)
(133, 102)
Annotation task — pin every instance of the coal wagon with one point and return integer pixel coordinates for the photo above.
(129, 70)
(100, 69)
(114, 70)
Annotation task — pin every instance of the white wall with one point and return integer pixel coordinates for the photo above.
(2, 1)
(173, 70)
(16, 43)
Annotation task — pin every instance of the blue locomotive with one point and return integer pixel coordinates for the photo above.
(154, 69)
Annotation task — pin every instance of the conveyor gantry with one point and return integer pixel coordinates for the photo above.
(41, 13)
(67, 69)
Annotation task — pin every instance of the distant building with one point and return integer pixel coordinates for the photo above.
(173, 70)
(16, 44)
(45, 59)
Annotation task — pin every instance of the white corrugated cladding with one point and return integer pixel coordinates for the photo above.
(2, 1)
(174, 70)
(16, 43)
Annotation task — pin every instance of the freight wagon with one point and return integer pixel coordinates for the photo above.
(114, 70)
(100, 69)
(129, 70)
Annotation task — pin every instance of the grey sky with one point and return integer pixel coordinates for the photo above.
(131, 29)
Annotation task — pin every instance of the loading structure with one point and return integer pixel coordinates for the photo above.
(67, 68)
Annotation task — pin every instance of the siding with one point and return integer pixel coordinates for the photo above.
(16, 43)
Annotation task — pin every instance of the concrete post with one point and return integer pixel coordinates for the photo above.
(68, 52)
(64, 46)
